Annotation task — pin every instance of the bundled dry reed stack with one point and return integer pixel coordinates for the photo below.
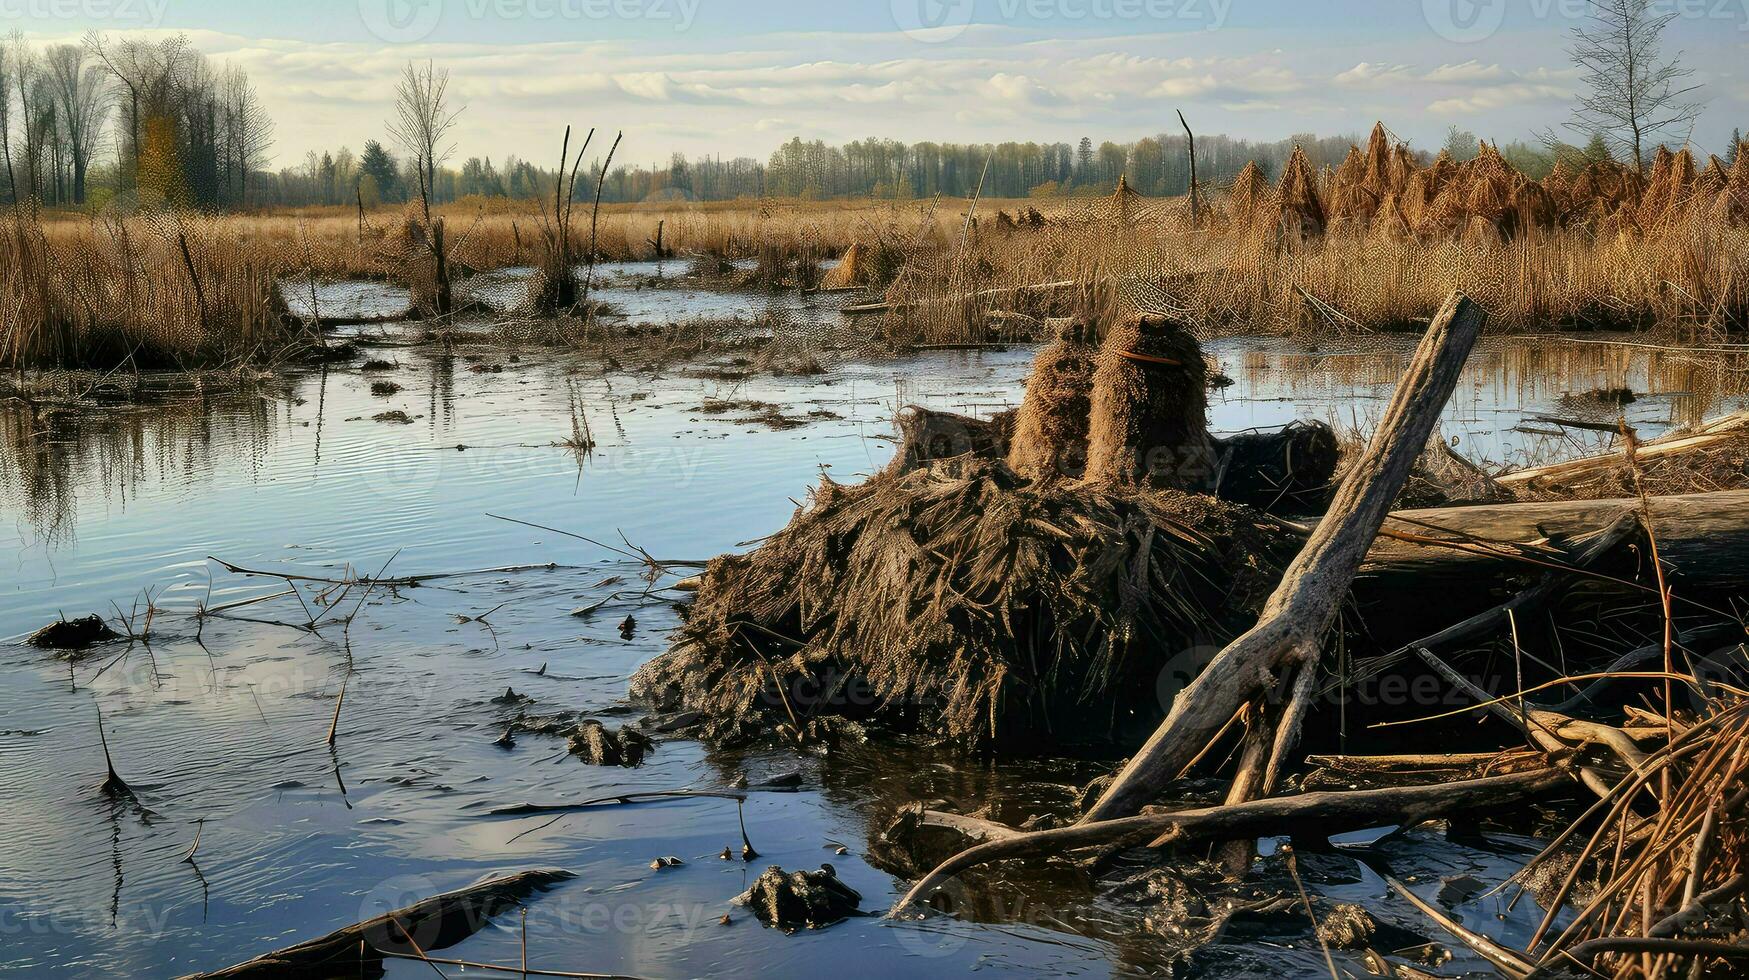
(1050, 430)
(1249, 196)
(1302, 208)
(1148, 424)
(851, 270)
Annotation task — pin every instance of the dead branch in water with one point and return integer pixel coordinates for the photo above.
(113, 786)
(623, 799)
(1506, 960)
(1710, 433)
(1305, 814)
(359, 949)
(630, 551)
(334, 726)
(1288, 635)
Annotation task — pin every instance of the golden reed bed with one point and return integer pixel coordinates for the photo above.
(1374, 244)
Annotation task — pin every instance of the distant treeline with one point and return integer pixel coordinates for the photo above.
(154, 120)
(887, 169)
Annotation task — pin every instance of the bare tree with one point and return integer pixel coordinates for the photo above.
(78, 95)
(248, 130)
(6, 120)
(148, 76)
(423, 119)
(24, 74)
(1633, 95)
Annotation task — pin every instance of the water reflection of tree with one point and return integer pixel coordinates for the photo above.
(56, 452)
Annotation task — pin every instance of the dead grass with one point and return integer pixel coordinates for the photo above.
(161, 291)
(1033, 609)
(1374, 245)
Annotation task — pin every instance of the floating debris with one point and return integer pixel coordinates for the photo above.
(800, 899)
(599, 745)
(73, 634)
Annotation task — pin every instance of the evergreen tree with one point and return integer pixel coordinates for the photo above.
(380, 167)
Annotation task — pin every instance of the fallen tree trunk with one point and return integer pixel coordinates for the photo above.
(1701, 539)
(1304, 815)
(434, 923)
(1289, 634)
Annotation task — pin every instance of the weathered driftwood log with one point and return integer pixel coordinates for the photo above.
(1307, 814)
(1288, 636)
(434, 923)
(1701, 538)
(1711, 433)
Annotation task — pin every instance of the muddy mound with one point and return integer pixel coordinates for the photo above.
(73, 634)
(800, 899)
(1292, 470)
(961, 601)
(928, 436)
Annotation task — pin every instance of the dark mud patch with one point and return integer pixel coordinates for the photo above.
(73, 634)
(1599, 399)
(771, 416)
(800, 899)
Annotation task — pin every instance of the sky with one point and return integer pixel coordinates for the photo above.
(734, 77)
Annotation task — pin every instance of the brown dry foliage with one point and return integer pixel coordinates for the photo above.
(1149, 418)
(1050, 429)
(957, 599)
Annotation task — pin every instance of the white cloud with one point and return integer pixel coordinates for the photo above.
(1499, 97)
(1370, 75)
(743, 94)
(1467, 73)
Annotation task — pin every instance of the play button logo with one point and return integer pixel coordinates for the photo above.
(401, 21)
(932, 21)
(1464, 21)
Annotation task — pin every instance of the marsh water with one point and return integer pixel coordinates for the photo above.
(222, 730)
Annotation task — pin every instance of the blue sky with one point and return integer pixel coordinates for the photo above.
(730, 77)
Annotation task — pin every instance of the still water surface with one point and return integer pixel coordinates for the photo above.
(226, 731)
